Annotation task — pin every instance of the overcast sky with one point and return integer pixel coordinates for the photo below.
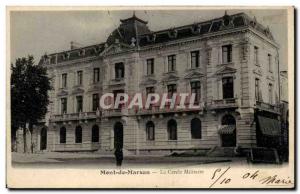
(39, 32)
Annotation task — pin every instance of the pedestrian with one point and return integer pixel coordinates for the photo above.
(119, 156)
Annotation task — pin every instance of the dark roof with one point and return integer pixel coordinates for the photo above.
(129, 28)
(215, 25)
(137, 28)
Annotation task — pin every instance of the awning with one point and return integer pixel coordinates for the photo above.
(227, 129)
(269, 126)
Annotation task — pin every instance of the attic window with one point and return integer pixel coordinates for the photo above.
(226, 20)
(172, 33)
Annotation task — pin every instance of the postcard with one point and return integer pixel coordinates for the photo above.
(150, 97)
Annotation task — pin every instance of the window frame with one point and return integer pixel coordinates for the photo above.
(64, 105)
(226, 91)
(95, 102)
(227, 51)
(171, 63)
(172, 132)
(150, 62)
(195, 59)
(95, 138)
(96, 75)
(194, 133)
(79, 99)
(78, 134)
(119, 71)
(150, 131)
(196, 85)
(64, 82)
(62, 135)
(79, 77)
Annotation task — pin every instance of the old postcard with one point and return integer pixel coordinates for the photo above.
(150, 97)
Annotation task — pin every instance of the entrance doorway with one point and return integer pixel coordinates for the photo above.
(43, 143)
(118, 135)
(228, 136)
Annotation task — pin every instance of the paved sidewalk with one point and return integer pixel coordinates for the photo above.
(94, 160)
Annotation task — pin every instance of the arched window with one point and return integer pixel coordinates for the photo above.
(196, 130)
(95, 133)
(172, 130)
(78, 134)
(228, 120)
(150, 131)
(62, 135)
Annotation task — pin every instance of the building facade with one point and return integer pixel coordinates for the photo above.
(230, 63)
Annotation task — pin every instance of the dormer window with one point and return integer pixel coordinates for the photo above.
(119, 70)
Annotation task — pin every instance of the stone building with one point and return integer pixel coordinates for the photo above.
(231, 63)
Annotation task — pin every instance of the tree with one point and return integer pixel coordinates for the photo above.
(29, 95)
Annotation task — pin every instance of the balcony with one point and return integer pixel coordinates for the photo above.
(117, 82)
(157, 110)
(75, 116)
(224, 103)
(268, 107)
(118, 112)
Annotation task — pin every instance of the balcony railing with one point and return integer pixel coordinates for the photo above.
(168, 109)
(118, 112)
(267, 107)
(75, 116)
(224, 103)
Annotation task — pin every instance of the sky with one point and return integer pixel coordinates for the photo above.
(40, 32)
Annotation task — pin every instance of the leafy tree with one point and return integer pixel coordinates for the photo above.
(29, 95)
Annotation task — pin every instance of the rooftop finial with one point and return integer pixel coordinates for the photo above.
(133, 14)
(225, 12)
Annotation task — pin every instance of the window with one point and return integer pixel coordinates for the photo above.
(196, 89)
(150, 66)
(63, 105)
(62, 135)
(79, 78)
(270, 62)
(270, 93)
(78, 134)
(116, 92)
(195, 59)
(256, 55)
(96, 77)
(227, 53)
(196, 128)
(95, 134)
(172, 89)
(119, 70)
(171, 63)
(257, 89)
(227, 83)
(95, 102)
(150, 90)
(150, 132)
(172, 130)
(79, 103)
(64, 80)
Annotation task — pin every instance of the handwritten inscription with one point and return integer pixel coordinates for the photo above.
(222, 176)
